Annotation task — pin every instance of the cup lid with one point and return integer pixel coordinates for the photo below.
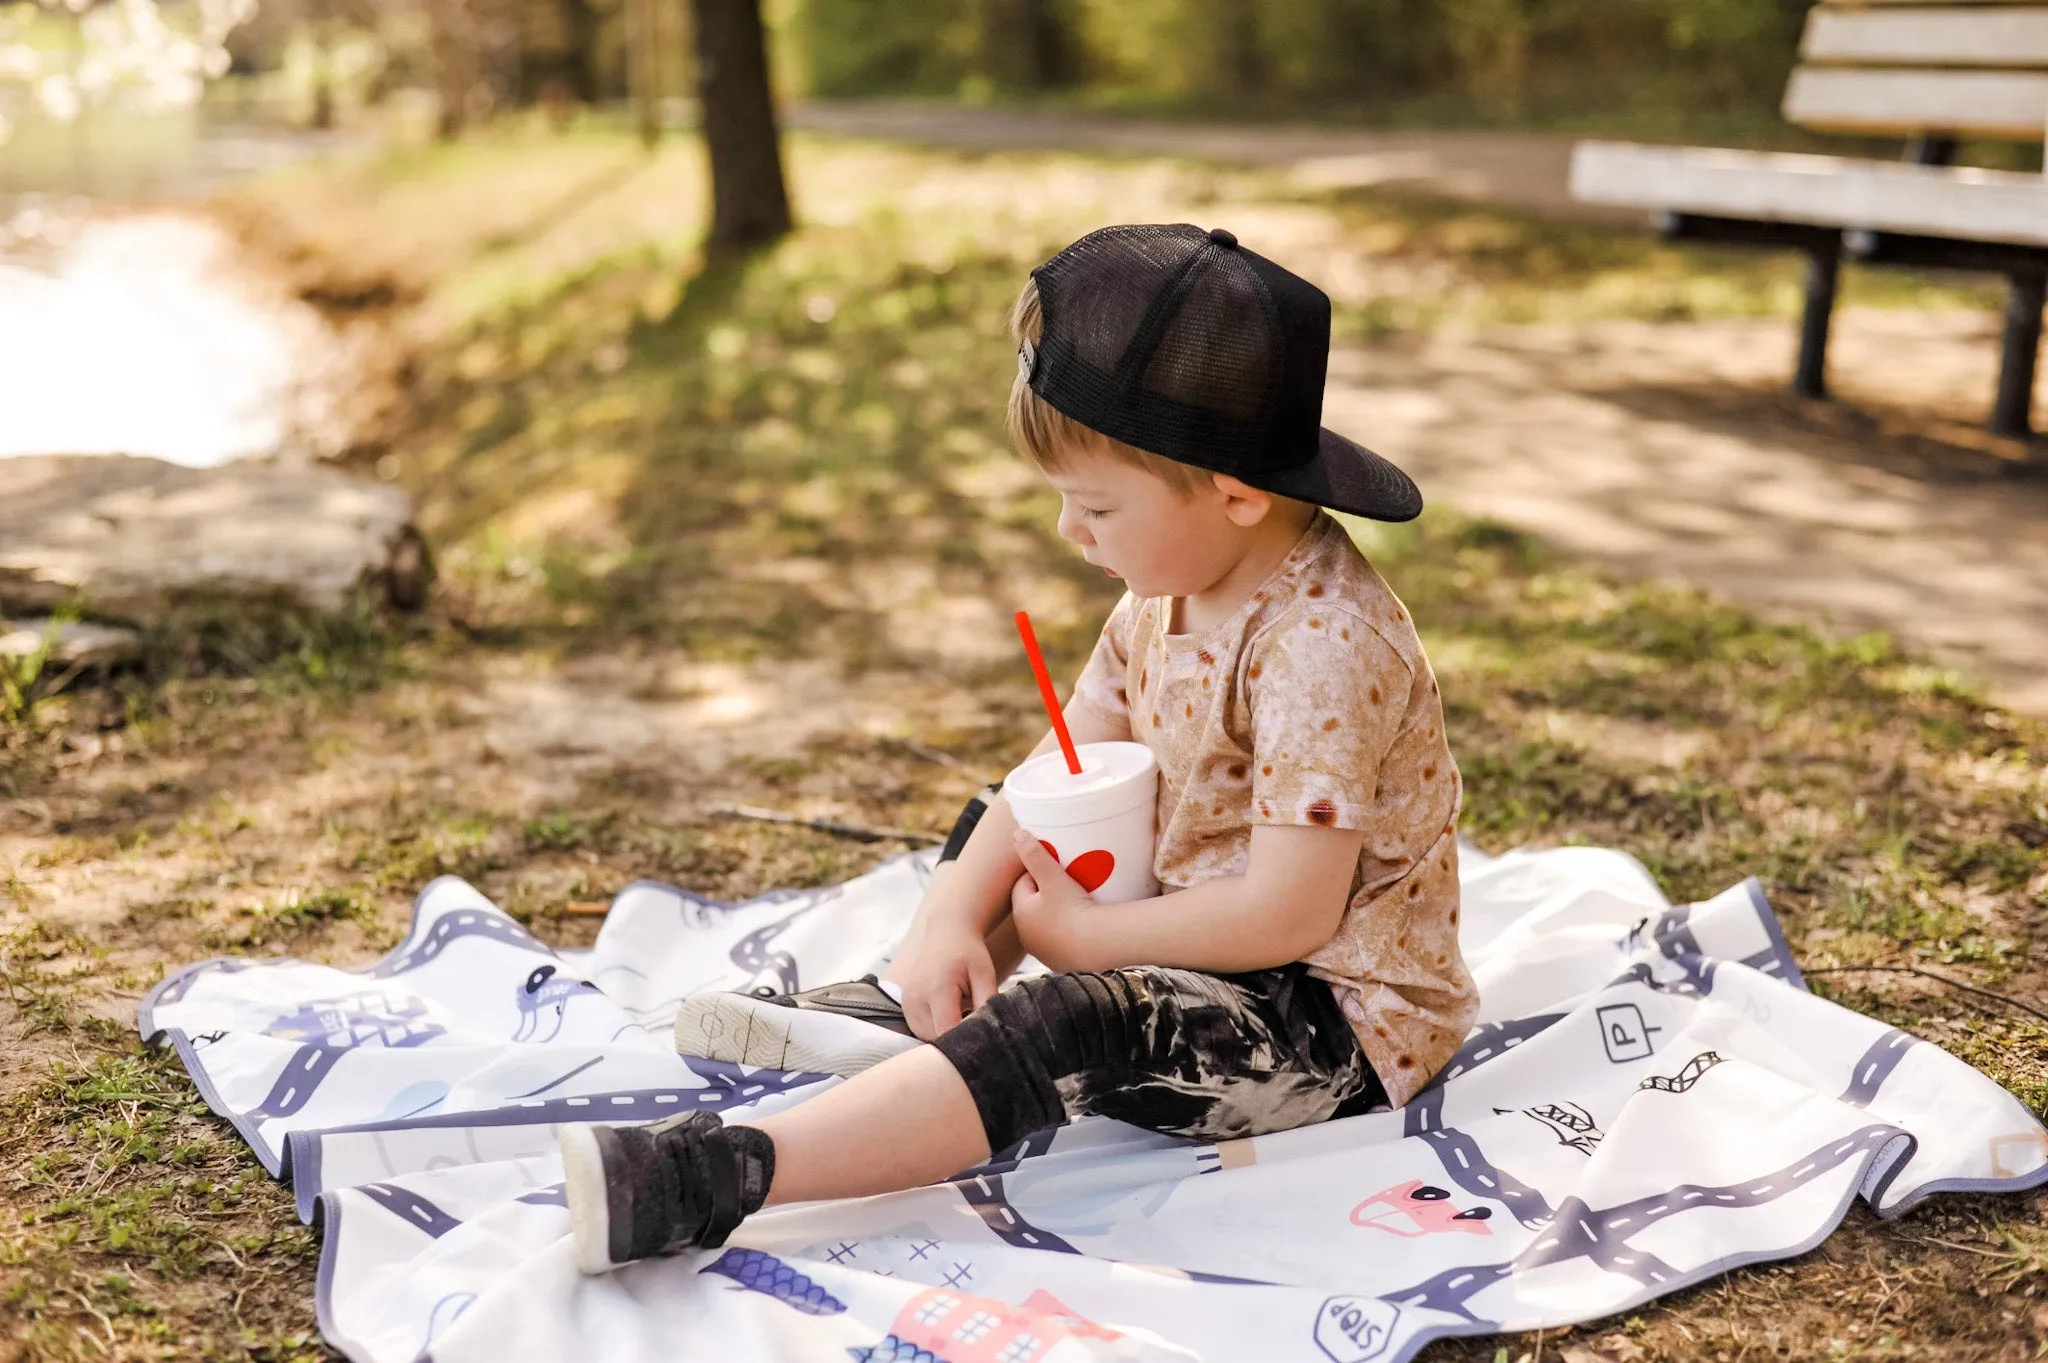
(1104, 766)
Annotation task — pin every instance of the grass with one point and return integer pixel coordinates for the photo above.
(741, 536)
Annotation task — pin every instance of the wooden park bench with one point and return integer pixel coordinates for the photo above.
(1933, 70)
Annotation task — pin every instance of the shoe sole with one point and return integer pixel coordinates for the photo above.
(583, 1185)
(747, 1031)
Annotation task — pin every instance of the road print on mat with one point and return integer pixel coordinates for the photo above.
(1650, 1096)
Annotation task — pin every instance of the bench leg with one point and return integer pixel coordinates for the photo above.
(2013, 413)
(1823, 268)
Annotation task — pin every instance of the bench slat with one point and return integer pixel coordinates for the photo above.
(1987, 103)
(2007, 36)
(1825, 191)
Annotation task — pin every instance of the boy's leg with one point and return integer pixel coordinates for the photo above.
(905, 1123)
(1205, 1056)
(840, 1028)
(690, 1180)
(1209, 1057)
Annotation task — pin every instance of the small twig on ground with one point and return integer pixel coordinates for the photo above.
(113, 1341)
(934, 755)
(1984, 1250)
(836, 827)
(1927, 974)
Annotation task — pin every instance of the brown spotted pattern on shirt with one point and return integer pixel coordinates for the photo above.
(1325, 715)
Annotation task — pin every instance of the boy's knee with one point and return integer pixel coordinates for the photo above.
(1075, 1021)
(1013, 1050)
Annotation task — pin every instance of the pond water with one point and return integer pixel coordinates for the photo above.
(130, 324)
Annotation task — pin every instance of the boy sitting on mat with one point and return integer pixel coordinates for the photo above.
(1303, 962)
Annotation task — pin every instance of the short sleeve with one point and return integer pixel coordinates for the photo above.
(1101, 685)
(1325, 710)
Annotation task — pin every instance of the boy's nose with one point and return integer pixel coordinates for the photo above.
(1072, 530)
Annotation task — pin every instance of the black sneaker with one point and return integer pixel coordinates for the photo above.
(682, 1183)
(834, 1029)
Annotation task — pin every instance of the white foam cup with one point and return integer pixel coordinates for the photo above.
(1100, 824)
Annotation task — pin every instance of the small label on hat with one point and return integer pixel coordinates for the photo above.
(1027, 361)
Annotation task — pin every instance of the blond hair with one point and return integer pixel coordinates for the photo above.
(1049, 439)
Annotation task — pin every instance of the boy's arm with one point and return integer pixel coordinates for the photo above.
(977, 893)
(1286, 904)
(944, 967)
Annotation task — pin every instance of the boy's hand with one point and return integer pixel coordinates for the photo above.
(944, 975)
(1048, 907)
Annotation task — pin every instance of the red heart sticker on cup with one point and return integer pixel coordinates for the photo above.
(1090, 870)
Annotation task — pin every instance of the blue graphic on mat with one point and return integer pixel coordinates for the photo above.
(543, 1001)
(1602, 1237)
(982, 1188)
(447, 1311)
(1877, 1065)
(296, 1082)
(411, 1208)
(1355, 1329)
(894, 1350)
(451, 928)
(1068, 1201)
(728, 1085)
(374, 1017)
(768, 1275)
(414, 1099)
(176, 988)
(751, 953)
(699, 913)
(1468, 1167)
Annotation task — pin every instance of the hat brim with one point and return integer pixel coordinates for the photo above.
(1346, 476)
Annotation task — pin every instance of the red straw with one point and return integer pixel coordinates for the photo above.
(1045, 691)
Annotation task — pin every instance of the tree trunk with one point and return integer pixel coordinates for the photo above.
(1244, 61)
(749, 203)
(643, 67)
(458, 61)
(1052, 52)
(1024, 44)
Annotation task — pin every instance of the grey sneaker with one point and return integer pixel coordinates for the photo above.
(681, 1183)
(834, 1029)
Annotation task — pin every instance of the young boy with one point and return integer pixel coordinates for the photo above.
(1302, 960)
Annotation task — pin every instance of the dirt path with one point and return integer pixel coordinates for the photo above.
(1671, 450)
(1516, 169)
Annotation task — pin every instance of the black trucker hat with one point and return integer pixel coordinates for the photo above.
(1181, 342)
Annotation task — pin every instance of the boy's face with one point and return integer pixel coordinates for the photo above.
(1158, 539)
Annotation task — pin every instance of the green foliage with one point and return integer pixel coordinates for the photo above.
(561, 831)
(853, 47)
(26, 679)
(1425, 60)
(298, 911)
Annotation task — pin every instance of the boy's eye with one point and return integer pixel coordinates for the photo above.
(1091, 513)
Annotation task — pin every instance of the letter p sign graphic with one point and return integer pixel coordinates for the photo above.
(1624, 1032)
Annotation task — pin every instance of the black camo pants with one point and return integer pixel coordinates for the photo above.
(1185, 1052)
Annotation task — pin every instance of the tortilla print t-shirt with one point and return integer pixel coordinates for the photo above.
(1312, 705)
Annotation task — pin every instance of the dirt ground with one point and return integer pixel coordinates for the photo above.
(749, 535)
(1524, 170)
(1674, 450)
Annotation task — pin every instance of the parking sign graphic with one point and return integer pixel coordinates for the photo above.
(1624, 1032)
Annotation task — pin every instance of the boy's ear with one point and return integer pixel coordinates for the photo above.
(1244, 504)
